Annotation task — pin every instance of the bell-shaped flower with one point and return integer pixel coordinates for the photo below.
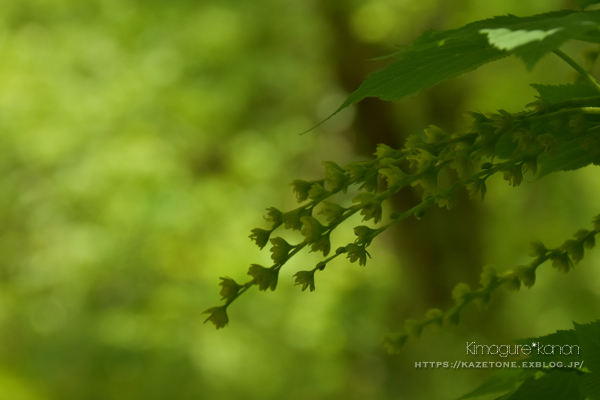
(363, 234)
(218, 316)
(291, 219)
(355, 252)
(275, 216)
(260, 237)
(301, 189)
(526, 275)
(280, 250)
(317, 191)
(335, 176)
(311, 229)
(435, 134)
(331, 211)
(322, 244)
(394, 176)
(306, 279)
(229, 289)
(265, 278)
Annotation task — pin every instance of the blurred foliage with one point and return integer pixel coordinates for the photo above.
(140, 142)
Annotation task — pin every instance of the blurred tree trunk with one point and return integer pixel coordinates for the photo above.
(443, 248)
(442, 241)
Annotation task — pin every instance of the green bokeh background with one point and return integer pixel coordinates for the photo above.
(142, 140)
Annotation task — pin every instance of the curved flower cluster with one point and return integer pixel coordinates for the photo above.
(547, 138)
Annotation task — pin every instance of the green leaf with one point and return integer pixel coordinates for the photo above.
(502, 381)
(557, 385)
(438, 56)
(558, 93)
(569, 156)
(434, 58)
(557, 338)
(586, 3)
(536, 36)
(589, 339)
(590, 386)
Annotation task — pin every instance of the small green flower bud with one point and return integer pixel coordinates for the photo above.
(385, 151)
(526, 275)
(463, 166)
(487, 165)
(414, 142)
(503, 122)
(291, 219)
(370, 181)
(574, 248)
(420, 213)
(489, 275)
(372, 211)
(585, 236)
(331, 211)
(340, 250)
(371, 208)
(589, 242)
(229, 290)
(421, 160)
(335, 176)
(513, 175)
(435, 134)
(358, 253)
(363, 234)
(317, 191)
(477, 189)
(275, 216)
(527, 140)
(448, 200)
(562, 262)
(395, 342)
(311, 229)
(218, 316)
(530, 165)
(537, 249)
(280, 250)
(357, 171)
(265, 278)
(393, 176)
(480, 123)
(306, 279)
(363, 197)
(395, 215)
(260, 237)
(434, 313)
(461, 292)
(428, 183)
(322, 244)
(301, 189)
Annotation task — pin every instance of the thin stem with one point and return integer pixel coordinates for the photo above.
(586, 75)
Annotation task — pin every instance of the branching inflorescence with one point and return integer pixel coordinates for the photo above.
(560, 131)
(532, 141)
